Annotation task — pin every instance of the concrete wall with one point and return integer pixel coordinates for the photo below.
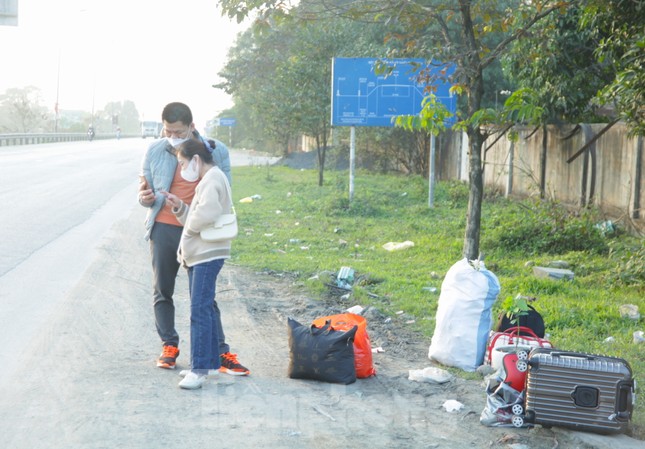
(608, 175)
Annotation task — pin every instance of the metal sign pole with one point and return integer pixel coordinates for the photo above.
(431, 173)
(352, 155)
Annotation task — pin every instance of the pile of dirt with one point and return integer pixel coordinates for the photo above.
(299, 161)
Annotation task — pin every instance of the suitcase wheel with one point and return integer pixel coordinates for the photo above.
(522, 366)
(522, 355)
(517, 409)
(517, 421)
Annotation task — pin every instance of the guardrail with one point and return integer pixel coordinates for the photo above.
(31, 139)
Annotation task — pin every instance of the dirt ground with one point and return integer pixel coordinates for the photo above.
(89, 380)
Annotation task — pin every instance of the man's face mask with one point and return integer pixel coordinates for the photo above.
(175, 141)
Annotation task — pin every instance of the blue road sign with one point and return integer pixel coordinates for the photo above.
(226, 122)
(360, 97)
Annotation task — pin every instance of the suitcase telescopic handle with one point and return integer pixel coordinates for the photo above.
(570, 354)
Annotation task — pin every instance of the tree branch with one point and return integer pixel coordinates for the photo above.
(592, 140)
(502, 133)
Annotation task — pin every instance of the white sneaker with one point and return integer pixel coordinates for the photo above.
(192, 381)
(211, 372)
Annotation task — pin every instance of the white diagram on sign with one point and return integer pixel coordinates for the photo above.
(362, 98)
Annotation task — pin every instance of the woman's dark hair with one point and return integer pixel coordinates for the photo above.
(191, 147)
(177, 112)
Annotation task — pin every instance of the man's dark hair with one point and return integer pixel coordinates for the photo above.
(191, 147)
(177, 112)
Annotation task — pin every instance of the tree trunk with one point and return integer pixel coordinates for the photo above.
(475, 80)
(473, 69)
(543, 162)
(321, 160)
(475, 197)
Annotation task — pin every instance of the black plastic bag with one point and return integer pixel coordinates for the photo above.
(321, 353)
(533, 320)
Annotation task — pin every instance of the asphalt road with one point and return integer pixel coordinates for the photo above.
(58, 200)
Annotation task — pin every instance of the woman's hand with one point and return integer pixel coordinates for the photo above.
(171, 199)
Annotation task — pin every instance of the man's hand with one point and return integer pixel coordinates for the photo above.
(146, 195)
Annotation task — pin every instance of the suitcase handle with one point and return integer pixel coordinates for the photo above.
(570, 354)
(624, 402)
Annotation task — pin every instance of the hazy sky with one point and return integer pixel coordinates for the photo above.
(149, 51)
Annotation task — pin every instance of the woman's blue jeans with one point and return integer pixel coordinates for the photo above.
(204, 323)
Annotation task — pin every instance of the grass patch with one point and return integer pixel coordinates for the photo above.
(306, 230)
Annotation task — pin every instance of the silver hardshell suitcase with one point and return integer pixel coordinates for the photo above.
(580, 391)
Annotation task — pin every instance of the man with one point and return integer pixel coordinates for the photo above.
(160, 171)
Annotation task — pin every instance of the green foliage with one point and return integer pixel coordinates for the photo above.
(522, 107)
(630, 259)
(456, 193)
(432, 118)
(619, 26)
(556, 61)
(547, 227)
(515, 307)
(280, 74)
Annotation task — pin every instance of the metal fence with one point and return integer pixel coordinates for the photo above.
(31, 139)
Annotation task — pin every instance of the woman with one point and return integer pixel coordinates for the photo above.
(204, 260)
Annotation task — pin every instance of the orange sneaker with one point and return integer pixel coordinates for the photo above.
(168, 357)
(230, 365)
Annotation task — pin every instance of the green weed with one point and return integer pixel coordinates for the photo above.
(546, 227)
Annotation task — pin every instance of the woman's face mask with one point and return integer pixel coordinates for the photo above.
(190, 173)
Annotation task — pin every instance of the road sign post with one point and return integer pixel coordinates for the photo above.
(230, 122)
(362, 97)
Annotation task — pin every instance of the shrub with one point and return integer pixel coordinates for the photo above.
(548, 227)
(631, 263)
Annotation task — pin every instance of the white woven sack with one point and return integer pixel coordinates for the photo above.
(464, 316)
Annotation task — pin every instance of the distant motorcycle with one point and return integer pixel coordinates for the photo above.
(90, 134)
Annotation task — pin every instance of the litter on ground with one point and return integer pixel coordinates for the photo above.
(553, 273)
(345, 278)
(452, 406)
(629, 311)
(397, 246)
(430, 374)
(356, 309)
